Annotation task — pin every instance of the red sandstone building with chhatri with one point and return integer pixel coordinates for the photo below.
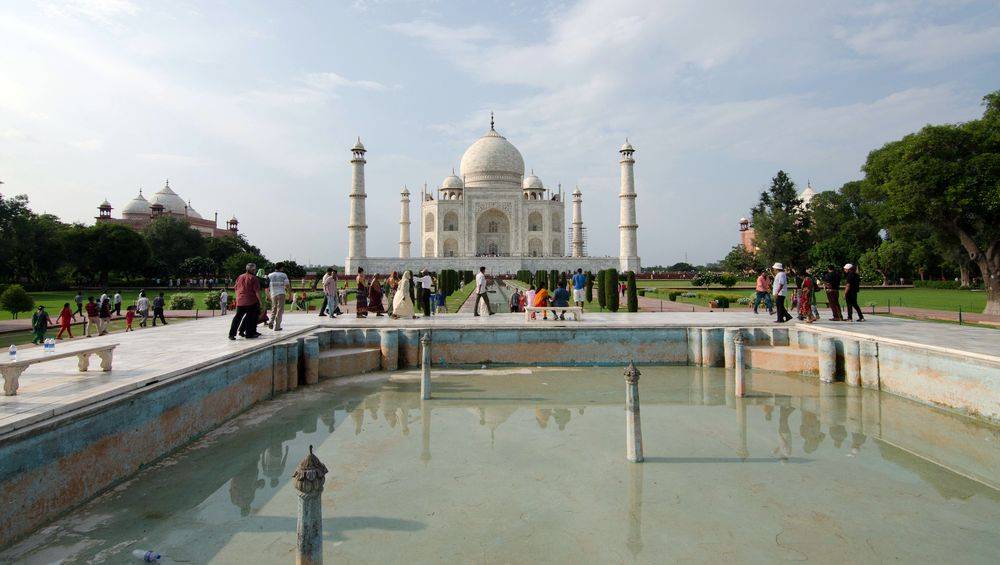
(140, 212)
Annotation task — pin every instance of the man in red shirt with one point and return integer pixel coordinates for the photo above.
(247, 290)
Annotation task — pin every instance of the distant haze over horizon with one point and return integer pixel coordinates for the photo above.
(250, 109)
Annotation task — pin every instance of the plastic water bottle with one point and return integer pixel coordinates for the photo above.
(47, 345)
(146, 556)
(12, 351)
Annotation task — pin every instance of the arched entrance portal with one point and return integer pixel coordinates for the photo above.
(493, 233)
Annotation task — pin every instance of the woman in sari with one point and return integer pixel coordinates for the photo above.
(375, 296)
(362, 295)
(806, 296)
(402, 302)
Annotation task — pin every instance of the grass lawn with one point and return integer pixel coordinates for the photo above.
(116, 326)
(927, 298)
(457, 298)
(54, 300)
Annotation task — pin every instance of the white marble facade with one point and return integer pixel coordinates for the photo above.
(489, 213)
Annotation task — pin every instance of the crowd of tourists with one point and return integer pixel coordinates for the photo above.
(96, 314)
(804, 297)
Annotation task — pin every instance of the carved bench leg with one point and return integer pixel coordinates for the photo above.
(105, 359)
(10, 379)
(83, 362)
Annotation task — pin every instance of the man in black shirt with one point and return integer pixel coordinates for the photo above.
(852, 284)
(831, 282)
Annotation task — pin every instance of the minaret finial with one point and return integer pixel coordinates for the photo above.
(491, 121)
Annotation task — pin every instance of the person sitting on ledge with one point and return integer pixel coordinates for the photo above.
(560, 298)
(542, 300)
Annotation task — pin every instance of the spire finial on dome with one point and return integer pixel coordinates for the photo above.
(491, 121)
(167, 184)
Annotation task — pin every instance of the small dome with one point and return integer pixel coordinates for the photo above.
(627, 146)
(744, 221)
(577, 192)
(138, 205)
(531, 182)
(405, 191)
(191, 212)
(233, 220)
(358, 146)
(105, 204)
(171, 203)
(452, 181)
(492, 160)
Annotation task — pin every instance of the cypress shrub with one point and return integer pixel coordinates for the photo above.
(553, 279)
(590, 286)
(540, 277)
(633, 299)
(611, 289)
(602, 299)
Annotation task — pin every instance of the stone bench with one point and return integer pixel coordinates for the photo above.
(11, 370)
(575, 310)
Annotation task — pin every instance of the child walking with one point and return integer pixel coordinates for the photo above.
(129, 316)
(64, 319)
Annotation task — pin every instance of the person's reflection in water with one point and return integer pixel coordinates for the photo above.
(634, 542)
(373, 402)
(857, 440)
(562, 417)
(542, 416)
(244, 485)
(810, 431)
(272, 462)
(838, 433)
(390, 416)
(358, 415)
(767, 411)
(784, 449)
(404, 419)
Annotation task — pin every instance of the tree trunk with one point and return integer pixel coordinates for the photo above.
(992, 285)
(963, 276)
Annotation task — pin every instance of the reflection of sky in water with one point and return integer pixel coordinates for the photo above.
(515, 464)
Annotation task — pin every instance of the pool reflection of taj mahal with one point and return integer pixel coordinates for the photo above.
(490, 213)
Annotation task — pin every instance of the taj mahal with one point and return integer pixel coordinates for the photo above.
(492, 214)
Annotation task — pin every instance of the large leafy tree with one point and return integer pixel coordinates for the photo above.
(781, 224)
(116, 248)
(742, 261)
(843, 226)
(171, 242)
(948, 176)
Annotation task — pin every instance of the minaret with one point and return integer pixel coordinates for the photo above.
(576, 243)
(628, 253)
(356, 226)
(404, 224)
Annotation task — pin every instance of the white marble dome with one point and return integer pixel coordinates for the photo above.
(531, 182)
(172, 204)
(492, 160)
(138, 206)
(191, 212)
(452, 181)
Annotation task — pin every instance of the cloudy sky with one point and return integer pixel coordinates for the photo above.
(249, 108)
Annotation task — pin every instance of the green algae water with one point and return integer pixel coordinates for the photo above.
(528, 465)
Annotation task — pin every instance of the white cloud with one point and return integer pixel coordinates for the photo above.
(331, 81)
(106, 12)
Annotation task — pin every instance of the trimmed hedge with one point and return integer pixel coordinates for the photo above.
(633, 299)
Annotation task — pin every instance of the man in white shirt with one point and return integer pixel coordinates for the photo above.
(779, 289)
(426, 282)
(481, 292)
(142, 308)
(117, 303)
(278, 287)
(224, 301)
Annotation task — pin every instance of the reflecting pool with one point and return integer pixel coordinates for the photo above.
(528, 465)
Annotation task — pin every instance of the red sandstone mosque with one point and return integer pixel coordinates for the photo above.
(140, 212)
